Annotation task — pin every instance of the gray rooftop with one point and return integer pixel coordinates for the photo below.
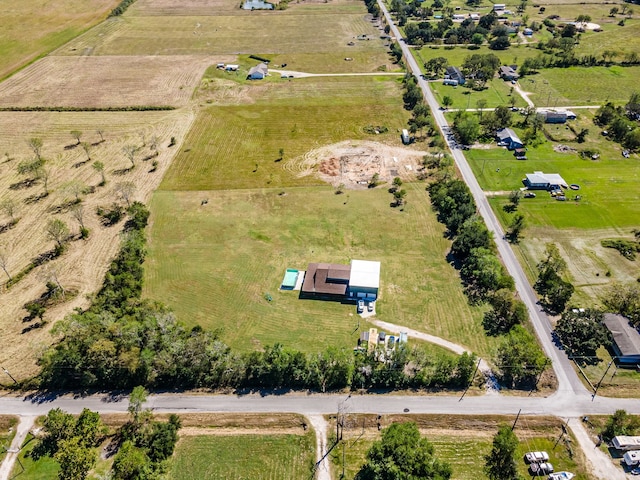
(626, 337)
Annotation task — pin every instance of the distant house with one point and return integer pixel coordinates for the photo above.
(625, 339)
(231, 68)
(474, 16)
(454, 73)
(459, 16)
(544, 181)
(553, 117)
(528, 32)
(258, 72)
(507, 73)
(497, 7)
(508, 138)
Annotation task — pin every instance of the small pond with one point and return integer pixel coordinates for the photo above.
(257, 5)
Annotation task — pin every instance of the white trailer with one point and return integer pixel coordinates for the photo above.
(625, 442)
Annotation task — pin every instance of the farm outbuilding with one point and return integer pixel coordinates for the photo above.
(544, 181)
(625, 339)
(365, 279)
(508, 138)
(550, 116)
(258, 72)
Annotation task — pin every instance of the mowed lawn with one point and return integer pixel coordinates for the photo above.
(582, 85)
(237, 146)
(609, 187)
(497, 92)
(255, 457)
(214, 264)
(35, 27)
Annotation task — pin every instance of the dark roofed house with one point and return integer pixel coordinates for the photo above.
(454, 73)
(625, 339)
(507, 73)
(326, 280)
(508, 138)
(554, 117)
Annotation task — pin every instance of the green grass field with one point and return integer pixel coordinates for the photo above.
(213, 264)
(259, 457)
(498, 92)
(465, 451)
(237, 146)
(34, 28)
(456, 55)
(7, 432)
(45, 468)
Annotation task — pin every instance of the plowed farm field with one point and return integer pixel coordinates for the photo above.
(81, 268)
(63, 81)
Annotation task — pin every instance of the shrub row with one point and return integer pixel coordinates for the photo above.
(121, 8)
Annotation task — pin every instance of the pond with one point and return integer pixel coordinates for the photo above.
(257, 5)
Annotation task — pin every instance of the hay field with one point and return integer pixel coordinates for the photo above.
(214, 263)
(105, 81)
(81, 269)
(35, 27)
(237, 146)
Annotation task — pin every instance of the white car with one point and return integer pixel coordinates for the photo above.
(561, 476)
(370, 306)
(360, 306)
(536, 457)
(539, 469)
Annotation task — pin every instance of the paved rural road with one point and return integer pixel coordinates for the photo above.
(568, 383)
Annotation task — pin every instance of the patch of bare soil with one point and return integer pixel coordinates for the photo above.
(105, 81)
(82, 267)
(353, 163)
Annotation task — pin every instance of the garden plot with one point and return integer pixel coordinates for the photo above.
(81, 268)
(88, 82)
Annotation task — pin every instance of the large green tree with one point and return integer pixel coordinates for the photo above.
(75, 459)
(519, 359)
(555, 291)
(500, 463)
(506, 312)
(402, 454)
(582, 333)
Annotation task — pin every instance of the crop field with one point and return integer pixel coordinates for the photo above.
(35, 27)
(215, 263)
(582, 85)
(81, 269)
(462, 442)
(498, 92)
(260, 457)
(104, 81)
(237, 146)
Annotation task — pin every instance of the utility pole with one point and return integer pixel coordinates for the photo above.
(595, 392)
(516, 420)
(10, 376)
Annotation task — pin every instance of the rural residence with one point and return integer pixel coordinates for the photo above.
(544, 181)
(454, 73)
(508, 73)
(508, 138)
(333, 281)
(258, 72)
(625, 339)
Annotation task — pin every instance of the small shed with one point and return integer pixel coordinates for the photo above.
(231, 68)
(405, 136)
(625, 339)
(258, 72)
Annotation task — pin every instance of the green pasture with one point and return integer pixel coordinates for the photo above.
(465, 453)
(456, 55)
(497, 92)
(237, 146)
(259, 457)
(609, 187)
(214, 264)
(34, 28)
(581, 85)
(614, 37)
(314, 31)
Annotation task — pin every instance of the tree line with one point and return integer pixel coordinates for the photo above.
(122, 340)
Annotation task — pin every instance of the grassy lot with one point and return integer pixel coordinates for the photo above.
(498, 92)
(7, 432)
(260, 457)
(237, 146)
(615, 382)
(456, 55)
(213, 264)
(582, 85)
(45, 468)
(34, 28)
(463, 443)
(620, 39)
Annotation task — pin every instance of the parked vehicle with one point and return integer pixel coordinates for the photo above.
(536, 457)
(561, 476)
(360, 306)
(540, 469)
(626, 442)
(529, 195)
(632, 458)
(370, 306)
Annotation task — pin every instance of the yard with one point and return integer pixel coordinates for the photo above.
(463, 442)
(259, 457)
(214, 264)
(497, 92)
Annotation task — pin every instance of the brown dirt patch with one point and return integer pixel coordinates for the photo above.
(105, 81)
(83, 266)
(353, 163)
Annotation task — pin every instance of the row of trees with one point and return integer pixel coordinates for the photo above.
(121, 341)
(519, 359)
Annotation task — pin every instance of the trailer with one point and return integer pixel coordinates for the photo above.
(625, 442)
